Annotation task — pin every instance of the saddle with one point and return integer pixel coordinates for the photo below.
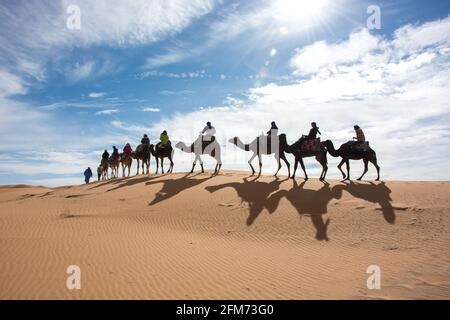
(359, 146)
(142, 148)
(204, 144)
(311, 145)
(160, 145)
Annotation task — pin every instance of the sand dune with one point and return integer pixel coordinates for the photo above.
(225, 237)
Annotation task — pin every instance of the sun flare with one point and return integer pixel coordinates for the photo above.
(299, 10)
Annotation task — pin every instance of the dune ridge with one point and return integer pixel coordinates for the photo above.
(225, 237)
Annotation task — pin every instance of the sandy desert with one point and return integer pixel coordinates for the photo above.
(229, 236)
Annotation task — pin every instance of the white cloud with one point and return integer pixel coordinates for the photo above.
(96, 94)
(151, 109)
(318, 55)
(136, 129)
(164, 59)
(401, 101)
(107, 112)
(81, 71)
(110, 22)
(10, 84)
(179, 75)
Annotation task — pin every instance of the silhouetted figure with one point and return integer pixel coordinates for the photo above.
(99, 172)
(163, 149)
(145, 140)
(359, 134)
(164, 138)
(87, 175)
(115, 154)
(348, 152)
(311, 135)
(127, 149)
(105, 155)
(273, 129)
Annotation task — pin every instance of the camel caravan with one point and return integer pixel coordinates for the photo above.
(269, 144)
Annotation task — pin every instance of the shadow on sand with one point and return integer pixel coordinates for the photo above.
(172, 187)
(118, 183)
(264, 195)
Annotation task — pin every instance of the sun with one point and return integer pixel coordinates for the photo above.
(299, 11)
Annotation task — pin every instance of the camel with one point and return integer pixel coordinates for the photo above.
(126, 160)
(200, 147)
(142, 153)
(113, 163)
(104, 166)
(299, 154)
(347, 153)
(160, 152)
(260, 146)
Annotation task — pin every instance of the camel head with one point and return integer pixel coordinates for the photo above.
(179, 145)
(328, 144)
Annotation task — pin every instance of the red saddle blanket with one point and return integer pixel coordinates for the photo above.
(311, 145)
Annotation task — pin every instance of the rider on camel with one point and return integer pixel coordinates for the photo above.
(312, 134)
(164, 138)
(273, 129)
(127, 149)
(115, 154)
(145, 140)
(208, 132)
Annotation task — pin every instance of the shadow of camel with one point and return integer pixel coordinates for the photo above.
(308, 201)
(123, 182)
(172, 187)
(264, 195)
(126, 182)
(372, 192)
(255, 193)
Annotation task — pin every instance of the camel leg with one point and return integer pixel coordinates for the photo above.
(277, 157)
(303, 167)
(366, 164)
(148, 165)
(137, 171)
(375, 163)
(347, 164)
(323, 162)
(195, 162)
(157, 165)
(171, 165)
(260, 164)
(162, 165)
(201, 165)
(340, 168)
(295, 167)
(283, 156)
(250, 163)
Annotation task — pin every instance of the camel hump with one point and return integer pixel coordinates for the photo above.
(311, 145)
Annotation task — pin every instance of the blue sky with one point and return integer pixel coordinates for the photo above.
(144, 66)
